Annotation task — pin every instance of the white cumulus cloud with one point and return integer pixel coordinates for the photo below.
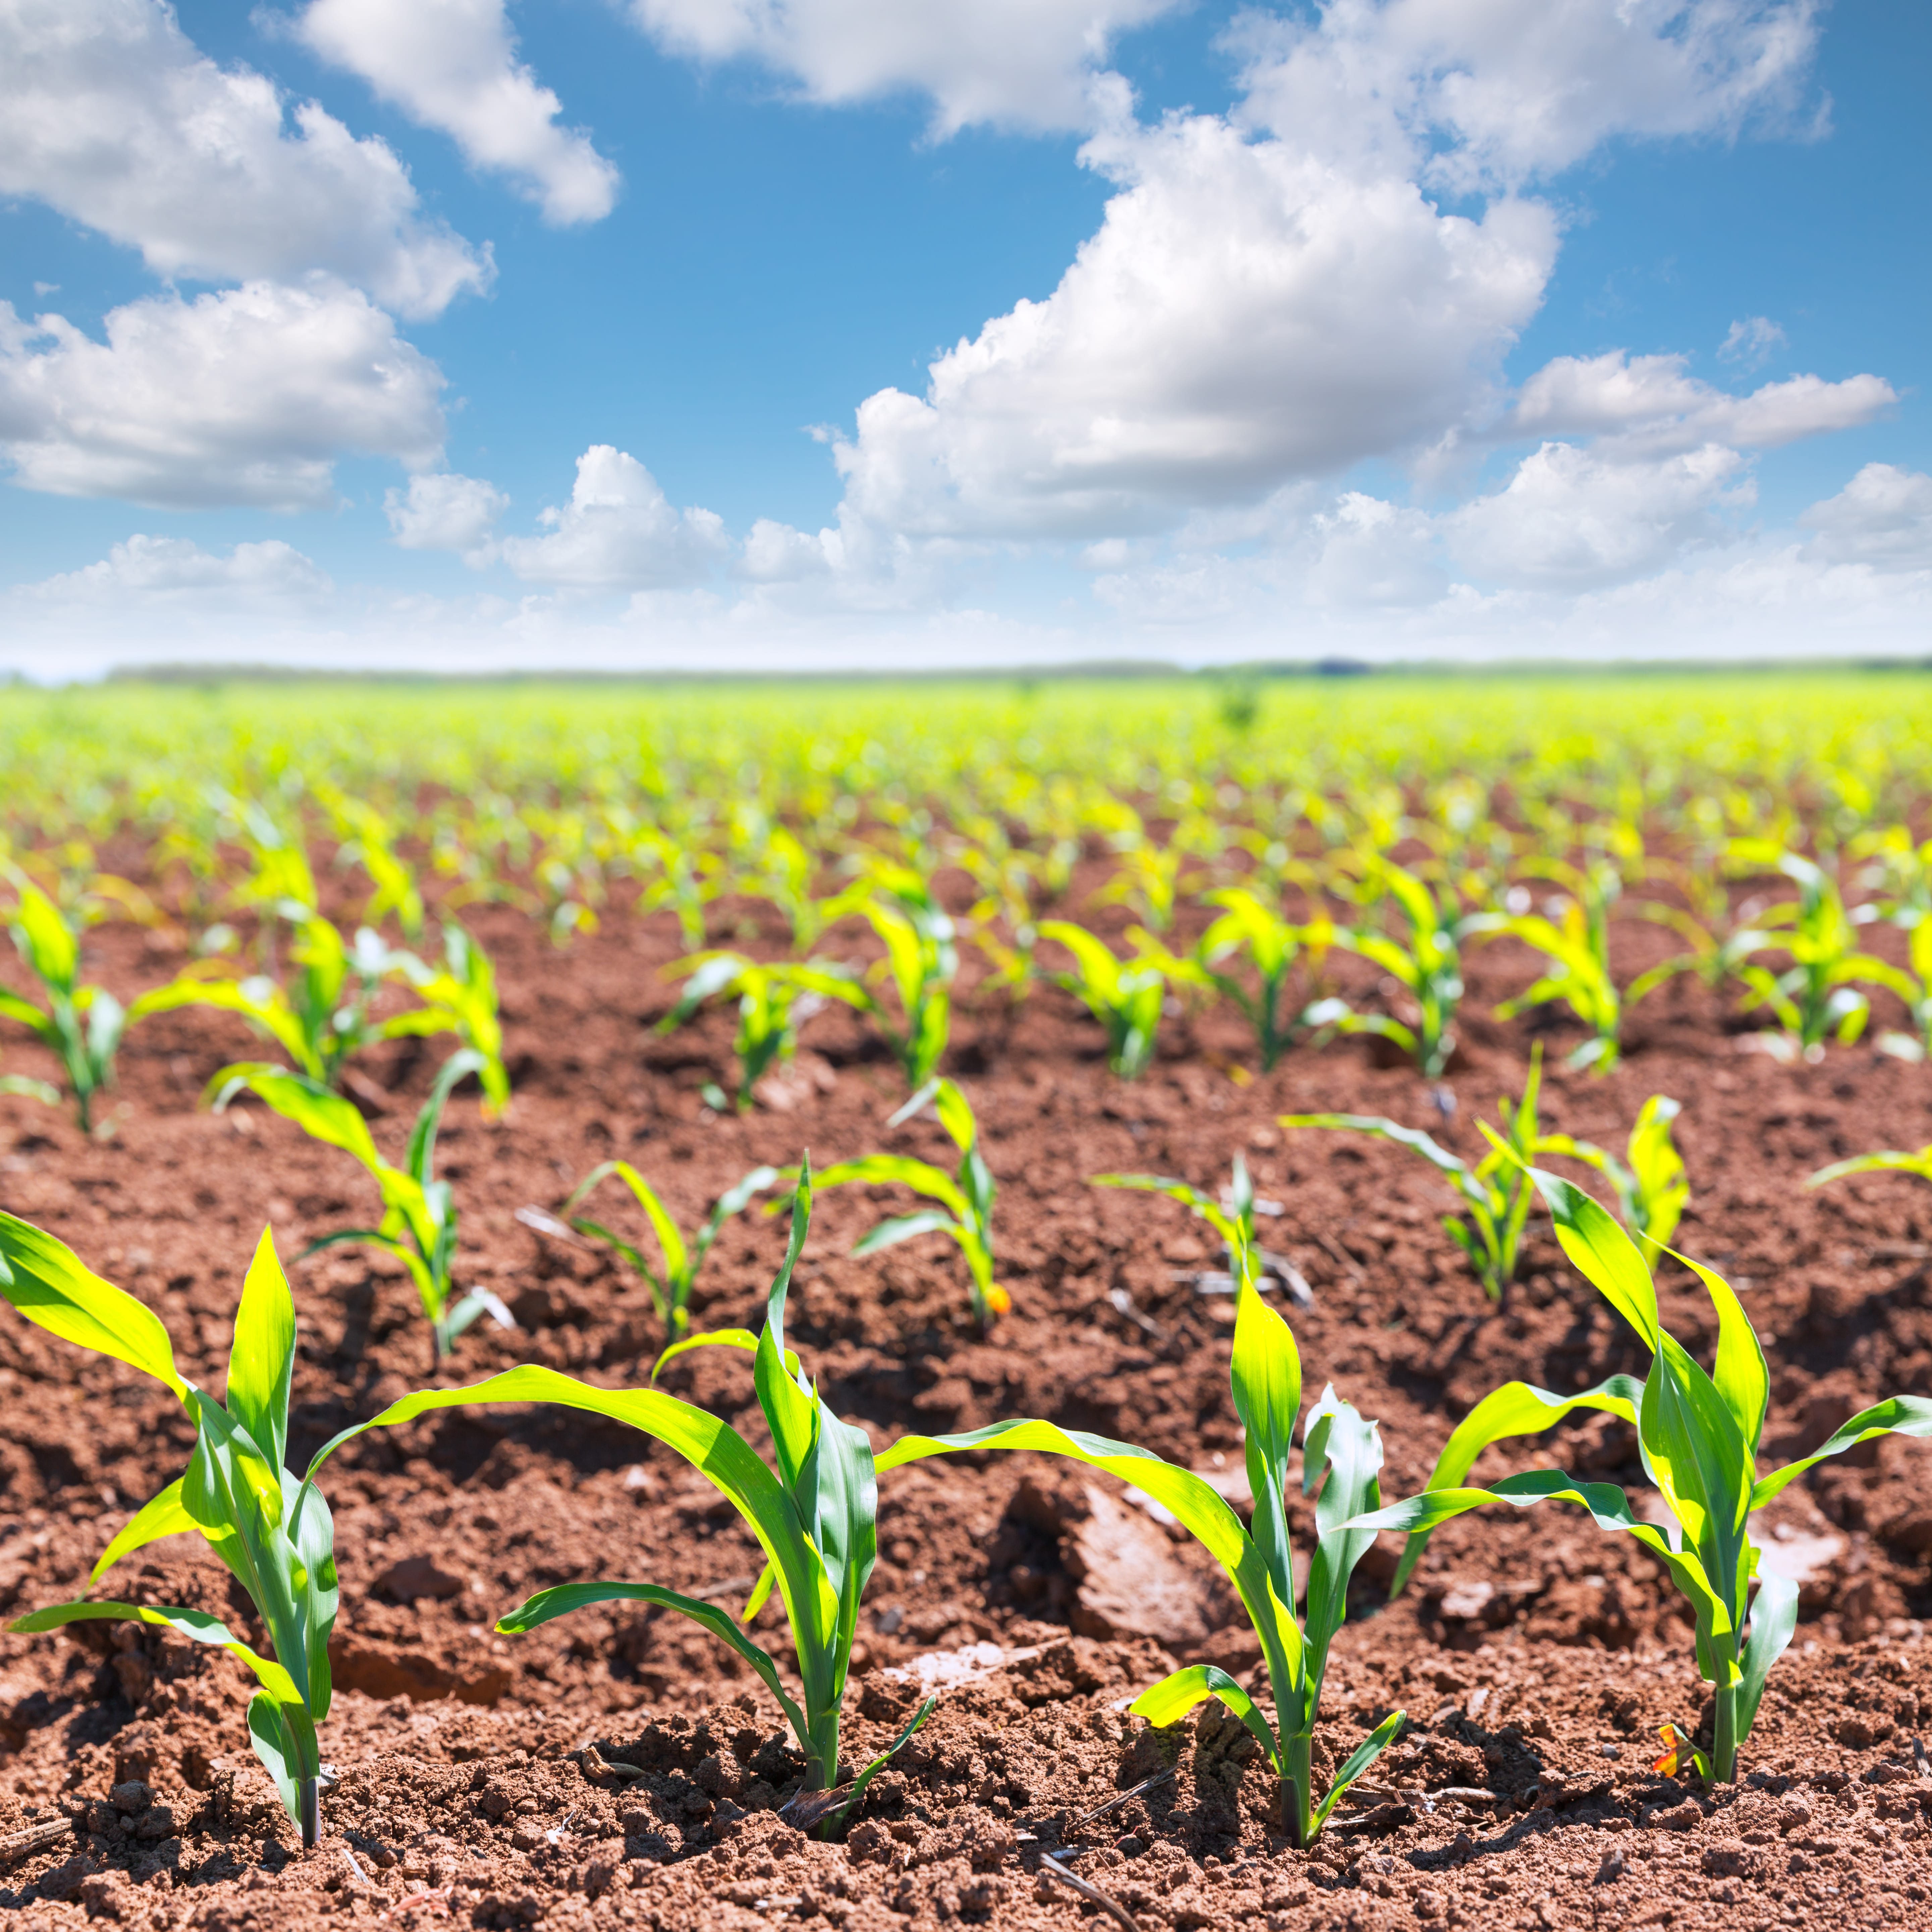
(619, 532)
(1023, 63)
(1246, 314)
(1569, 518)
(147, 570)
(1883, 517)
(441, 511)
(1750, 340)
(1651, 407)
(1474, 93)
(452, 65)
(110, 114)
(246, 396)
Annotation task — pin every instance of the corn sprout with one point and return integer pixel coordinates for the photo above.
(773, 1001)
(82, 1025)
(814, 1513)
(965, 1211)
(1127, 997)
(671, 1291)
(1495, 1191)
(1698, 1435)
(1272, 946)
(419, 1224)
(236, 1492)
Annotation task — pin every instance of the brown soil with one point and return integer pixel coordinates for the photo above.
(1535, 1657)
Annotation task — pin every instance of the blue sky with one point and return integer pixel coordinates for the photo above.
(1397, 329)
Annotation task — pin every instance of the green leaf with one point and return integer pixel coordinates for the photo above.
(1774, 1620)
(271, 1746)
(1210, 1210)
(1351, 1450)
(260, 1002)
(885, 1756)
(1897, 1415)
(713, 1448)
(322, 1115)
(422, 1138)
(669, 1240)
(881, 1169)
(1170, 1700)
(547, 1605)
(45, 939)
(1358, 1761)
(1603, 1253)
(160, 1515)
(1741, 1375)
(261, 1358)
(1516, 1408)
(1414, 1138)
(904, 1228)
(1265, 1374)
(790, 1412)
(44, 1279)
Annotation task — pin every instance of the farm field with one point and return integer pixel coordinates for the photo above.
(621, 1766)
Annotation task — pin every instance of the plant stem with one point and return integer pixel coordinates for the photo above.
(1724, 1735)
(1296, 1791)
(309, 1802)
(821, 1761)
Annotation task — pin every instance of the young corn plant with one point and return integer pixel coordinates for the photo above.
(1127, 996)
(459, 997)
(236, 1492)
(964, 1213)
(82, 1025)
(1495, 1191)
(1698, 1435)
(773, 1001)
(322, 1018)
(814, 1511)
(670, 1290)
(1817, 996)
(1427, 965)
(1272, 946)
(1652, 1188)
(1577, 972)
(419, 1218)
(921, 960)
(1341, 1455)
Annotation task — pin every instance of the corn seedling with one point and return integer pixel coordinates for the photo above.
(1575, 945)
(1232, 1217)
(236, 1492)
(1427, 965)
(1653, 1190)
(1495, 1191)
(1127, 996)
(670, 1290)
(1817, 994)
(1337, 1445)
(773, 1001)
(965, 1211)
(1698, 1435)
(322, 1018)
(1272, 946)
(814, 1514)
(419, 1218)
(81, 1025)
(921, 960)
(459, 997)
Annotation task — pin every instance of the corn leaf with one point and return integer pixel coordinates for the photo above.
(1516, 1408)
(1602, 1252)
(1358, 1761)
(163, 1515)
(671, 1240)
(261, 1358)
(1170, 1700)
(44, 1279)
(1897, 1415)
(561, 1601)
